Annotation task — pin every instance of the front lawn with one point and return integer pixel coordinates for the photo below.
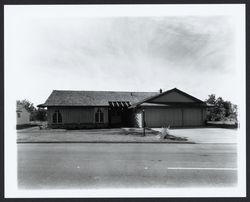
(92, 135)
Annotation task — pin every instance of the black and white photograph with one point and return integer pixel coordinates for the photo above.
(125, 100)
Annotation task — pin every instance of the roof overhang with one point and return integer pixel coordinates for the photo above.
(44, 105)
(172, 105)
(41, 105)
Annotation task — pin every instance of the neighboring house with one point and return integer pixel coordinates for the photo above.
(102, 109)
(22, 115)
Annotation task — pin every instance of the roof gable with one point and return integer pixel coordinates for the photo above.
(174, 96)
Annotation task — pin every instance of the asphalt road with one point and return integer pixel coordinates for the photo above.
(76, 165)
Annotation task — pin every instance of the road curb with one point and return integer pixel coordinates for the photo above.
(106, 142)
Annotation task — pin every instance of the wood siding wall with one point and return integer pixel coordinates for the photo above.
(77, 115)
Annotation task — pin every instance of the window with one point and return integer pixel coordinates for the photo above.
(57, 117)
(18, 115)
(99, 116)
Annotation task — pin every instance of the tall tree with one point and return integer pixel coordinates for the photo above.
(29, 106)
(221, 109)
(41, 114)
(211, 112)
(35, 114)
(211, 99)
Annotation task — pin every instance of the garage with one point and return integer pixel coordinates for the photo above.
(173, 117)
(193, 117)
(159, 117)
(173, 108)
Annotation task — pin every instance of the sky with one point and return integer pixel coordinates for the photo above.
(194, 53)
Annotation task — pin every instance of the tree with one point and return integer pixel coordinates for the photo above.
(211, 99)
(35, 114)
(41, 114)
(211, 112)
(221, 109)
(29, 106)
(228, 108)
(234, 112)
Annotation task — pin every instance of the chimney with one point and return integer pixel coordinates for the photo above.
(160, 90)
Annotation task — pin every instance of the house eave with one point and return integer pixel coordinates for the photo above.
(171, 105)
(44, 105)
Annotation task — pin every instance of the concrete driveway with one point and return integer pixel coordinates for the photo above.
(206, 135)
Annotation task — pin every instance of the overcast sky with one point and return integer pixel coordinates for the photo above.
(193, 53)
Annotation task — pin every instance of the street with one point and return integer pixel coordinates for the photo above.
(89, 165)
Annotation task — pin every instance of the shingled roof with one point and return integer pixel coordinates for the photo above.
(93, 98)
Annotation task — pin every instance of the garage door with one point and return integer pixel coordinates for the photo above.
(192, 117)
(163, 117)
(159, 117)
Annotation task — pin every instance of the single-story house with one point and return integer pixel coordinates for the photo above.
(22, 115)
(103, 109)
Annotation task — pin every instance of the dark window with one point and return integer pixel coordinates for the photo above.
(99, 116)
(96, 117)
(18, 115)
(57, 117)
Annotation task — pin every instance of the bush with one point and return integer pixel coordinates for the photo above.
(23, 126)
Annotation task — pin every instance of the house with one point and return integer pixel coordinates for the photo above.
(103, 109)
(22, 115)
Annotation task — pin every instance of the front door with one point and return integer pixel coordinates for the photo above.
(115, 117)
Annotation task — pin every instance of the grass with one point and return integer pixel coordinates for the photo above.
(98, 135)
(139, 131)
